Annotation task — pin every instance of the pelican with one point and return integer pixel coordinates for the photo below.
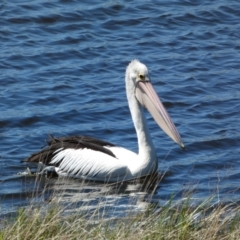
(89, 158)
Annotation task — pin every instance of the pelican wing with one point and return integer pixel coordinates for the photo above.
(75, 142)
(89, 164)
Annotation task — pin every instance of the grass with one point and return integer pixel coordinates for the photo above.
(172, 221)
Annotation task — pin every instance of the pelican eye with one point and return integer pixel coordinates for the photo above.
(141, 76)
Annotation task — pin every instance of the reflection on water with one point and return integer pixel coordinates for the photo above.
(109, 200)
(93, 199)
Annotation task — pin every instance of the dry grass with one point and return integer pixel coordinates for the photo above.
(174, 221)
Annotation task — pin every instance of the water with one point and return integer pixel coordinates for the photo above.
(62, 66)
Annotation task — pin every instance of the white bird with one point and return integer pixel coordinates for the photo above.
(92, 159)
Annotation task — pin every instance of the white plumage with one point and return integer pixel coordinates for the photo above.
(85, 162)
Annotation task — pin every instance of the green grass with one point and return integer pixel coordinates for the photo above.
(172, 221)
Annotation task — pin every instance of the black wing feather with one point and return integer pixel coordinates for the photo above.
(75, 142)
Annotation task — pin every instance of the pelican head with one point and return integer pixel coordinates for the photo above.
(139, 85)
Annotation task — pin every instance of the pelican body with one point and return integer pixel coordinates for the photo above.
(93, 159)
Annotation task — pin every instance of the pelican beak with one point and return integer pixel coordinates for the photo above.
(147, 96)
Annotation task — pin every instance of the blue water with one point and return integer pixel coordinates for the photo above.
(62, 66)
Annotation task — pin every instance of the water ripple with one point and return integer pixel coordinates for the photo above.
(62, 68)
